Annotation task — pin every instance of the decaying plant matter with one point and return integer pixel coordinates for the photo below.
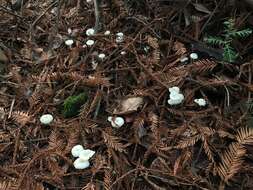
(159, 146)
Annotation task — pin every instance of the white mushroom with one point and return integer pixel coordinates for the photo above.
(123, 53)
(46, 119)
(69, 42)
(174, 89)
(200, 102)
(107, 33)
(194, 56)
(69, 30)
(90, 32)
(90, 42)
(76, 150)
(175, 98)
(101, 56)
(116, 122)
(86, 154)
(81, 164)
(119, 37)
(120, 34)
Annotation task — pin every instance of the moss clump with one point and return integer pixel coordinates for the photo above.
(72, 105)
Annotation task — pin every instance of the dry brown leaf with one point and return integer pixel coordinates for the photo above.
(129, 105)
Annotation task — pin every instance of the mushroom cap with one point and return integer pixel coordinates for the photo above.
(81, 164)
(107, 32)
(76, 150)
(200, 102)
(86, 154)
(174, 89)
(90, 32)
(69, 42)
(101, 56)
(123, 53)
(120, 34)
(117, 122)
(194, 56)
(175, 98)
(109, 118)
(46, 119)
(90, 42)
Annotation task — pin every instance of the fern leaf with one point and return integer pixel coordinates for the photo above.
(188, 142)
(229, 54)
(21, 117)
(242, 33)
(245, 135)
(229, 25)
(107, 179)
(232, 160)
(113, 142)
(214, 41)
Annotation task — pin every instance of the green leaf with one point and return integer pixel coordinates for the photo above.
(215, 41)
(241, 33)
(229, 25)
(229, 54)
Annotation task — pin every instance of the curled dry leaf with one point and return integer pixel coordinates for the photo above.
(129, 105)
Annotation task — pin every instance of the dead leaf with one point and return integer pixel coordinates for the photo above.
(201, 8)
(129, 105)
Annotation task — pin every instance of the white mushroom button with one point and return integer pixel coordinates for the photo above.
(123, 53)
(81, 164)
(174, 89)
(194, 56)
(76, 150)
(107, 33)
(116, 122)
(175, 98)
(69, 30)
(46, 119)
(86, 154)
(90, 32)
(69, 42)
(200, 102)
(90, 42)
(101, 56)
(119, 37)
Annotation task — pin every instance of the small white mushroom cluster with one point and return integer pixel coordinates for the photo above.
(82, 155)
(116, 122)
(175, 96)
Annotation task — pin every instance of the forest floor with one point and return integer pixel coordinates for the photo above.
(162, 94)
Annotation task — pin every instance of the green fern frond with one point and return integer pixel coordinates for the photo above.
(213, 40)
(229, 54)
(230, 33)
(241, 34)
(229, 25)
